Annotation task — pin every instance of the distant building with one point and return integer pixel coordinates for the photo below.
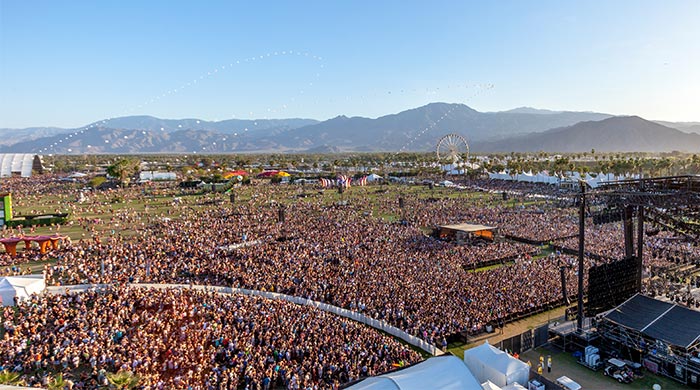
(156, 176)
(20, 164)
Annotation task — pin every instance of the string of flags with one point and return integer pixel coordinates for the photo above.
(209, 74)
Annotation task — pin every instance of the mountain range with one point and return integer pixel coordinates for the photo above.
(418, 129)
(615, 134)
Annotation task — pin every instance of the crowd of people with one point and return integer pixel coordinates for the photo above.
(334, 254)
(188, 339)
(362, 252)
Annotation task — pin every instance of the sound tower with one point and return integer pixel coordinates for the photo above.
(232, 197)
(401, 202)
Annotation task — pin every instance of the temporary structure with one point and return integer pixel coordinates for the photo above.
(489, 363)
(488, 385)
(445, 372)
(373, 177)
(21, 287)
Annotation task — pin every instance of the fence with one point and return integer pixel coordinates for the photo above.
(530, 339)
(377, 324)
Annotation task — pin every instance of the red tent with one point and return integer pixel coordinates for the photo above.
(268, 173)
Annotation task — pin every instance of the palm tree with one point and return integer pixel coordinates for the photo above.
(123, 380)
(123, 169)
(10, 378)
(57, 383)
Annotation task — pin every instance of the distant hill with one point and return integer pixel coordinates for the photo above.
(419, 128)
(616, 134)
(149, 123)
(416, 129)
(228, 126)
(686, 127)
(530, 110)
(12, 136)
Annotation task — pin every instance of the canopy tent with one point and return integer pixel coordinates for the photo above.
(445, 372)
(21, 287)
(489, 363)
(665, 321)
(268, 173)
(566, 177)
(373, 177)
(235, 173)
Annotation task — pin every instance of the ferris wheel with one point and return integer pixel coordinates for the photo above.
(452, 148)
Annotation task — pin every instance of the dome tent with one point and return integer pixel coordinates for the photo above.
(445, 372)
(21, 287)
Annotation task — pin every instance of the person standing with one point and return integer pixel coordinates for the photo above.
(549, 363)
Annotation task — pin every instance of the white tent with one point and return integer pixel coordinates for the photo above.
(489, 363)
(21, 287)
(445, 372)
(488, 385)
(373, 177)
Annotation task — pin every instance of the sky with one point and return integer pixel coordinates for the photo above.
(70, 63)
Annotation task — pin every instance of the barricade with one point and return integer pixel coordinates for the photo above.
(377, 324)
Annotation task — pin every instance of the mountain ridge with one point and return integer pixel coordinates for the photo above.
(615, 134)
(415, 129)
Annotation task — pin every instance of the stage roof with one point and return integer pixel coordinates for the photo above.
(668, 322)
(467, 227)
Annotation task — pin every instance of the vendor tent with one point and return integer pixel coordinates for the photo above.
(373, 177)
(235, 173)
(268, 173)
(21, 287)
(489, 363)
(445, 372)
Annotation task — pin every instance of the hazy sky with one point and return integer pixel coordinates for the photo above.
(68, 63)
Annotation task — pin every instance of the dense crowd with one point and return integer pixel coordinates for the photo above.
(338, 255)
(187, 339)
(348, 254)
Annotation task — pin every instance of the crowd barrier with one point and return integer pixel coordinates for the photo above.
(377, 324)
(574, 252)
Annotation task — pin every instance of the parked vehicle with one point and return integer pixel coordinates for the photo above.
(618, 370)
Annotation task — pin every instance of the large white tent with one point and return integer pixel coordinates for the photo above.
(445, 372)
(489, 363)
(564, 177)
(21, 287)
(16, 164)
